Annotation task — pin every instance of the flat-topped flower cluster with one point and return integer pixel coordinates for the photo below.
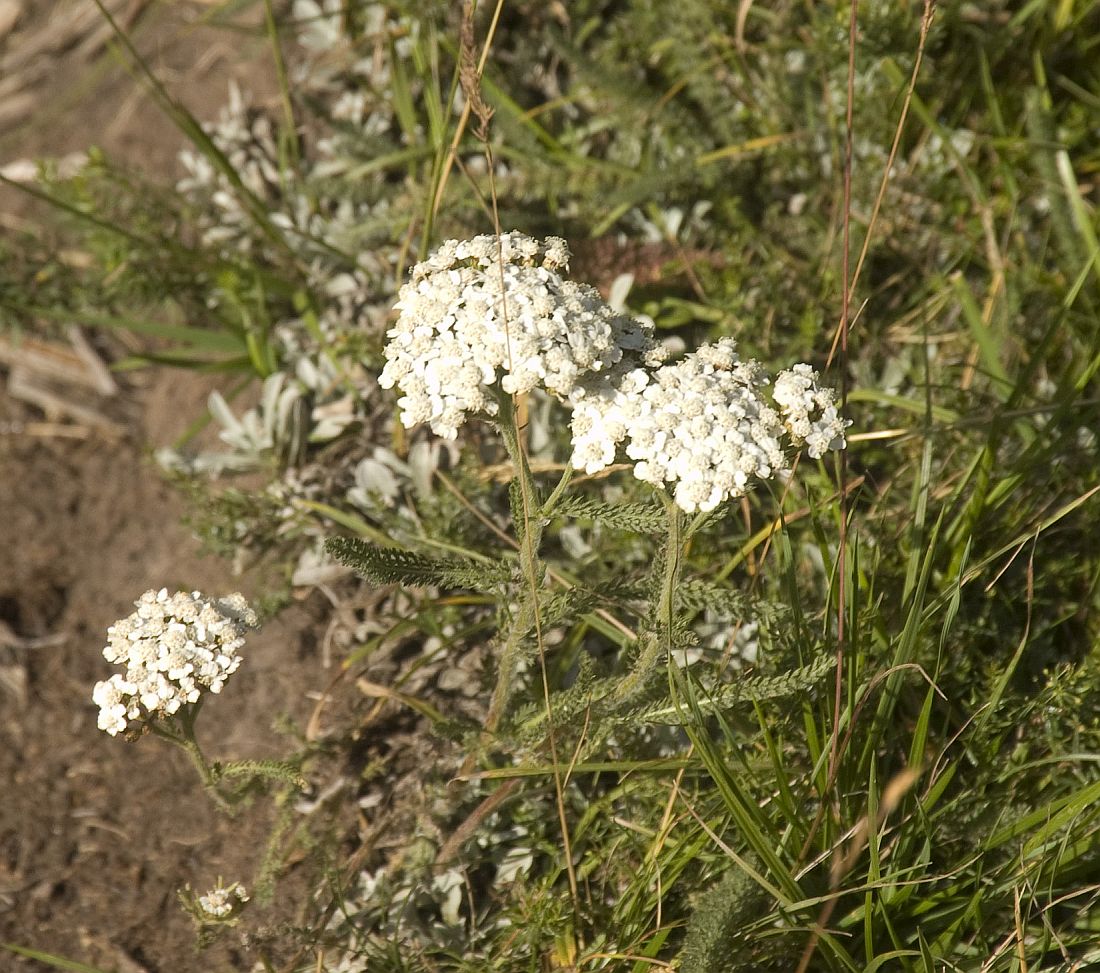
(493, 314)
(174, 648)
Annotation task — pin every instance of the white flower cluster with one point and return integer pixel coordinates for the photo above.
(174, 647)
(703, 424)
(495, 310)
(809, 410)
(220, 902)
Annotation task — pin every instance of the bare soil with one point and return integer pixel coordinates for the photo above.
(97, 834)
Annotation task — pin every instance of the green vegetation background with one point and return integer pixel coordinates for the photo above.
(946, 816)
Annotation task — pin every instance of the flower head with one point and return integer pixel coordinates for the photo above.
(809, 411)
(221, 902)
(703, 425)
(173, 648)
(495, 312)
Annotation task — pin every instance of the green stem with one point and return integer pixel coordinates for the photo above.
(666, 603)
(291, 138)
(558, 492)
(186, 741)
(209, 780)
(509, 431)
(696, 522)
(655, 647)
(530, 532)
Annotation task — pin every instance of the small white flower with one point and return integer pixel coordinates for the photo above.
(173, 648)
(220, 902)
(810, 411)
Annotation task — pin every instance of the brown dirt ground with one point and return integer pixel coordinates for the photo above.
(97, 834)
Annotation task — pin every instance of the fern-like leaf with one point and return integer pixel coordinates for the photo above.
(637, 517)
(698, 595)
(720, 914)
(384, 565)
(530, 723)
(565, 606)
(793, 683)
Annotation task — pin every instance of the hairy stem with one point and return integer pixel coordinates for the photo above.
(206, 772)
(666, 603)
(654, 647)
(186, 741)
(556, 494)
(530, 531)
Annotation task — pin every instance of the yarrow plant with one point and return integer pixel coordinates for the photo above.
(174, 648)
(488, 319)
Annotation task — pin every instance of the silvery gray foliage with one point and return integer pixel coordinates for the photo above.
(351, 277)
(383, 478)
(246, 137)
(320, 391)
